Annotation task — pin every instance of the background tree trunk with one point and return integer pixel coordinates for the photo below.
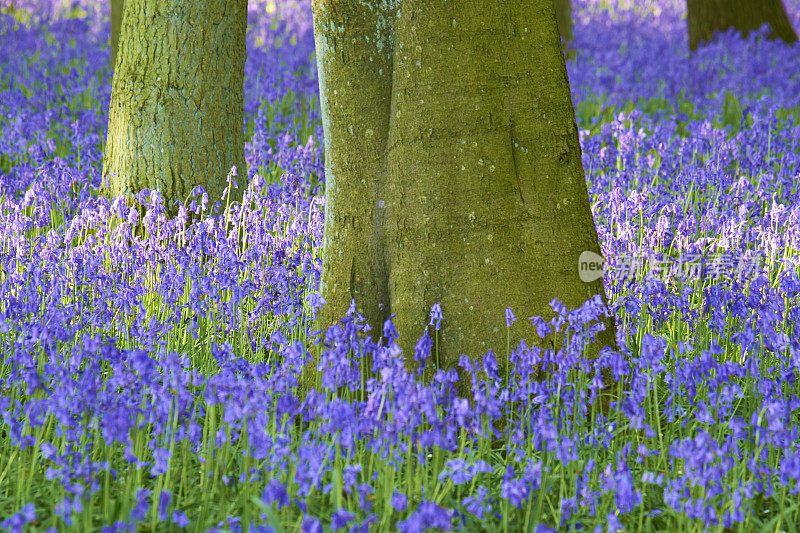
(453, 170)
(116, 22)
(707, 17)
(564, 19)
(177, 100)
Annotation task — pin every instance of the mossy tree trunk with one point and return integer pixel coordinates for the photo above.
(453, 169)
(707, 17)
(564, 18)
(177, 100)
(116, 22)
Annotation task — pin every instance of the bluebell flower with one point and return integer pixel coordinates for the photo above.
(364, 526)
(480, 504)
(652, 477)
(164, 499)
(365, 492)
(513, 490)
(24, 516)
(389, 331)
(436, 316)
(490, 365)
(139, 511)
(542, 327)
(510, 318)
(161, 456)
(613, 523)
(399, 501)
(275, 492)
(422, 351)
(428, 515)
(340, 518)
(350, 476)
(261, 528)
(63, 509)
(310, 525)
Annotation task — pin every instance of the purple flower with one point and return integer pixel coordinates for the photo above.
(340, 518)
(261, 528)
(399, 501)
(533, 473)
(513, 490)
(702, 414)
(652, 477)
(63, 509)
(139, 511)
(364, 526)
(626, 497)
(315, 301)
(465, 362)
(597, 382)
(490, 365)
(161, 456)
(350, 476)
(131, 458)
(436, 316)
(179, 518)
(479, 505)
(310, 525)
(427, 515)
(510, 318)
(613, 523)
(133, 216)
(389, 331)
(164, 499)
(24, 516)
(275, 492)
(542, 327)
(460, 472)
(364, 491)
(422, 350)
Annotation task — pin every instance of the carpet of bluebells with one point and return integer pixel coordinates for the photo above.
(150, 365)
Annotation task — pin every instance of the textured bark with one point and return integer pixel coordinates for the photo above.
(116, 22)
(453, 169)
(354, 57)
(177, 100)
(707, 17)
(564, 19)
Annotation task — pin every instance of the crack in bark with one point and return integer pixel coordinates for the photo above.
(515, 162)
(389, 148)
(352, 286)
(383, 206)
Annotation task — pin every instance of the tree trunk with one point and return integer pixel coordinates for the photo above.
(116, 22)
(564, 18)
(176, 118)
(707, 17)
(453, 170)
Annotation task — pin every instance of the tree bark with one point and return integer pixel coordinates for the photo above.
(564, 19)
(176, 118)
(116, 22)
(453, 170)
(707, 17)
